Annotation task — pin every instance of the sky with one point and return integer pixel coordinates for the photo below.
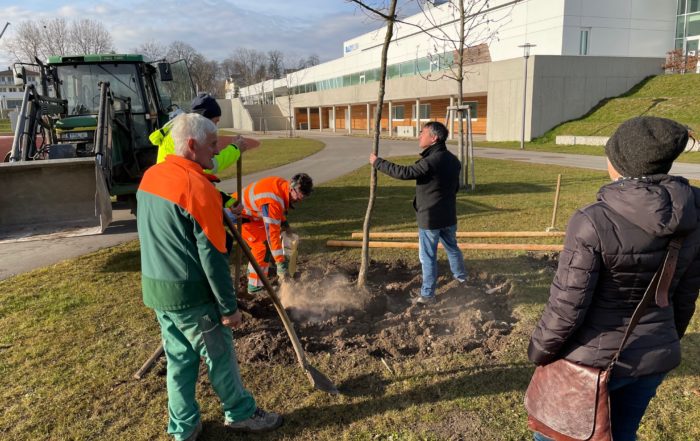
(298, 28)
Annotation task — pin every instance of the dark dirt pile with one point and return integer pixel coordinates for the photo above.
(331, 314)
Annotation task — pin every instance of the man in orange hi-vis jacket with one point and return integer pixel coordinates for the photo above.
(265, 205)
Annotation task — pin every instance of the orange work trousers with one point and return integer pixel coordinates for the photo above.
(254, 235)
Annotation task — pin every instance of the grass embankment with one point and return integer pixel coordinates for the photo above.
(669, 96)
(71, 336)
(5, 127)
(274, 153)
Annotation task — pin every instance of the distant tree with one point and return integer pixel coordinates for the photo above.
(56, 35)
(457, 45)
(39, 39)
(275, 64)
(153, 50)
(677, 62)
(90, 37)
(205, 73)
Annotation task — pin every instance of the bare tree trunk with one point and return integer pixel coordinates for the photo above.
(464, 174)
(364, 263)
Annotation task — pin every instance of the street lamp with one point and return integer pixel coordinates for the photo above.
(526, 54)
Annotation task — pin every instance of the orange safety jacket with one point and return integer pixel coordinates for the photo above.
(267, 201)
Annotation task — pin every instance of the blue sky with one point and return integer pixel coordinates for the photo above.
(213, 27)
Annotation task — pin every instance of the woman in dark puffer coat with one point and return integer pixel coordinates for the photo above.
(611, 252)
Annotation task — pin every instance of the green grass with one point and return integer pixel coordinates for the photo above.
(71, 335)
(5, 127)
(274, 153)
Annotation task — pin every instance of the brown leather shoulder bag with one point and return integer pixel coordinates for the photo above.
(566, 401)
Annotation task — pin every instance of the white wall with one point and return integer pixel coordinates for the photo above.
(623, 28)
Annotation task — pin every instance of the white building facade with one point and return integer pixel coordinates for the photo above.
(584, 51)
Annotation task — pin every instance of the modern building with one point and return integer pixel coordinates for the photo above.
(11, 94)
(582, 51)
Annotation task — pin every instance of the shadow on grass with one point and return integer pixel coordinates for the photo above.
(125, 261)
(457, 384)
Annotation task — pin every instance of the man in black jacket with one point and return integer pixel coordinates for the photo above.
(437, 183)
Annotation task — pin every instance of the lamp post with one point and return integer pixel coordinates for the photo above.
(526, 54)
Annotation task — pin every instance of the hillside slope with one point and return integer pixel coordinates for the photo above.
(669, 96)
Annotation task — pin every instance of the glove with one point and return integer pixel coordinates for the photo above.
(282, 268)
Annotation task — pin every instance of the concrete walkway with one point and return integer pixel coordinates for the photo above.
(343, 154)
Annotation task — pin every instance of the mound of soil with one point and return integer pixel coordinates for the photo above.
(331, 314)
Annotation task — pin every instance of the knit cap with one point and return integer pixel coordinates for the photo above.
(206, 105)
(646, 145)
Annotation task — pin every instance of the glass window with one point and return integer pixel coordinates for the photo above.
(679, 43)
(693, 24)
(693, 6)
(393, 71)
(346, 80)
(423, 65)
(397, 112)
(583, 42)
(80, 86)
(680, 26)
(355, 79)
(681, 7)
(424, 111)
(407, 68)
(473, 109)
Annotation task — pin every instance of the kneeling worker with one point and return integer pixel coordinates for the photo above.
(187, 282)
(265, 205)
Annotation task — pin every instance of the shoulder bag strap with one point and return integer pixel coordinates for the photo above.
(659, 287)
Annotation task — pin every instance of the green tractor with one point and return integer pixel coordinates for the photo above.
(81, 140)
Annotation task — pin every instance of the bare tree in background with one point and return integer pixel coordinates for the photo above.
(275, 64)
(205, 73)
(56, 36)
(152, 49)
(90, 37)
(389, 18)
(39, 39)
(457, 44)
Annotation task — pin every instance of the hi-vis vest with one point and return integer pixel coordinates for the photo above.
(166, 146)
(267, 201)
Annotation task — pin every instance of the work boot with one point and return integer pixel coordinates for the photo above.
(418, 299)
(197, 431)
(260, 421)
(253, 290)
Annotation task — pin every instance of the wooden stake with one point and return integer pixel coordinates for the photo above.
(462, 246)
(556, 205)
(464, 234)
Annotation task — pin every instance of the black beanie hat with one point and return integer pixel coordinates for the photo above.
(646, 145)
(206, 105)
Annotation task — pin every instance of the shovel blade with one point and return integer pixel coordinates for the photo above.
(320, 381)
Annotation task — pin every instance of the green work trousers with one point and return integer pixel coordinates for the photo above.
(188, 335)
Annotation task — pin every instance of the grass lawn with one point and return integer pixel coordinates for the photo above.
(71, 336)
(274, 153)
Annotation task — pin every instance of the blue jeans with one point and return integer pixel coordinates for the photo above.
(629, 398)
(427, 253)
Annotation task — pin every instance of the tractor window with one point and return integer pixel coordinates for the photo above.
(178, 92)
(80, 86)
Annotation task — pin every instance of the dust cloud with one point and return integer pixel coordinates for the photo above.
(318, 299)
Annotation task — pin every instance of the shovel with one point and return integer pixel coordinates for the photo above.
(318, 380)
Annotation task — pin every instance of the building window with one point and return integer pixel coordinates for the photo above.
(584, 41)
(473, 109)
(397, 113)
(362, 79)
(424, 111)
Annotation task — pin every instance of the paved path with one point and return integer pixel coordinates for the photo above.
(342, 155)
